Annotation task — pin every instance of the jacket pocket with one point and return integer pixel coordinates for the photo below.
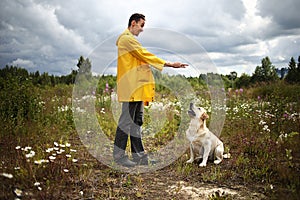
(144, 73)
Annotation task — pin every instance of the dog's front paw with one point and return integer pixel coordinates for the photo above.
(190, 161)
(217, 162)
(202, 164)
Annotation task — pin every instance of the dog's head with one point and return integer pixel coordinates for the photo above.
(197, 112)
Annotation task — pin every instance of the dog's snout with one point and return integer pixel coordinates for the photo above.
(191, 112)
(191, 106)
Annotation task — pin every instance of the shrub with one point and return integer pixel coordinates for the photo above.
(19, 102)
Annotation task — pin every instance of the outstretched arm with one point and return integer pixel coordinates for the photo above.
(175, 64)
(133, 47)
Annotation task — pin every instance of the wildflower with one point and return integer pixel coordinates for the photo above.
(62, 145)
(113, 96)
(18, 192)
(262, 122)
(271, 187)
(17, 168)
(38, 162)
(66, 108)
(63, 108)
(18, 147)
(81, 193)
(241, 90)
(41, 103)
(27, 148)
(78, 109)
(66, 170)
(6, 175)
(30, 154)
(73, 150)
(227, 155)
(157, 106)
(106, 87)
(55, 143)
(68, 156)
(285, 115)
(60, 151)
(68, 144)
(49, 150)
(74, 160)
(289, 154)
(266, 128)
(52, 157)
(37, 184)
(258, 98)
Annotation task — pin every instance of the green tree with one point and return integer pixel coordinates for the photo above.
(35, 77)
(243, 81)
(294, 71)
(265, 73)
(45, 79)
(84, 67)
(232, 76)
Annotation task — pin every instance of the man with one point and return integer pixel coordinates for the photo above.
(135, 87)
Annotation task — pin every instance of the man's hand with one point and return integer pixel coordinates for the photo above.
(176, 65)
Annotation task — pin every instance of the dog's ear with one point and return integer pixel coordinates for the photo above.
(204, 116)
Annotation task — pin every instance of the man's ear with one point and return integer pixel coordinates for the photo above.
(204, 116)
(133, 23)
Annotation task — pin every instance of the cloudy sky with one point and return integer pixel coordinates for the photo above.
(50, 35)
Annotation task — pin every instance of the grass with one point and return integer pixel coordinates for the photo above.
(42, 157)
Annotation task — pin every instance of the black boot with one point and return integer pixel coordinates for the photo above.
(144, 160)
(125, 161)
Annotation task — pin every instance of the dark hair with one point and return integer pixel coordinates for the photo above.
(136, 17)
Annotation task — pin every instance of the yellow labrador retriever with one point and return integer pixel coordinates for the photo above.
(202, 140)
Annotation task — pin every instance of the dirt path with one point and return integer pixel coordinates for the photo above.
(165, 184)
(168, 183)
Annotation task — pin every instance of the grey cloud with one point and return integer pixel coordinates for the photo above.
(51, 35)
(33, 33)
(234, 8)
(285, 13)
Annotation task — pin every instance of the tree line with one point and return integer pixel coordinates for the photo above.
(266, 72)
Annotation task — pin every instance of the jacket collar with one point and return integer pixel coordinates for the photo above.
(126, 32)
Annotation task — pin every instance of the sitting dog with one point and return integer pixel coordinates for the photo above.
(202, 140)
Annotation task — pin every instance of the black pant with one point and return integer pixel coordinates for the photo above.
(130, 123)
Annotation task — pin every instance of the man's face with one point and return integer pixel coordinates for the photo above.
(138, 27)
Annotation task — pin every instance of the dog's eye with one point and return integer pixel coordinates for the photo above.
(199, 108)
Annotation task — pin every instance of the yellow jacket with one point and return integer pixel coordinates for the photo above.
(135, 81)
